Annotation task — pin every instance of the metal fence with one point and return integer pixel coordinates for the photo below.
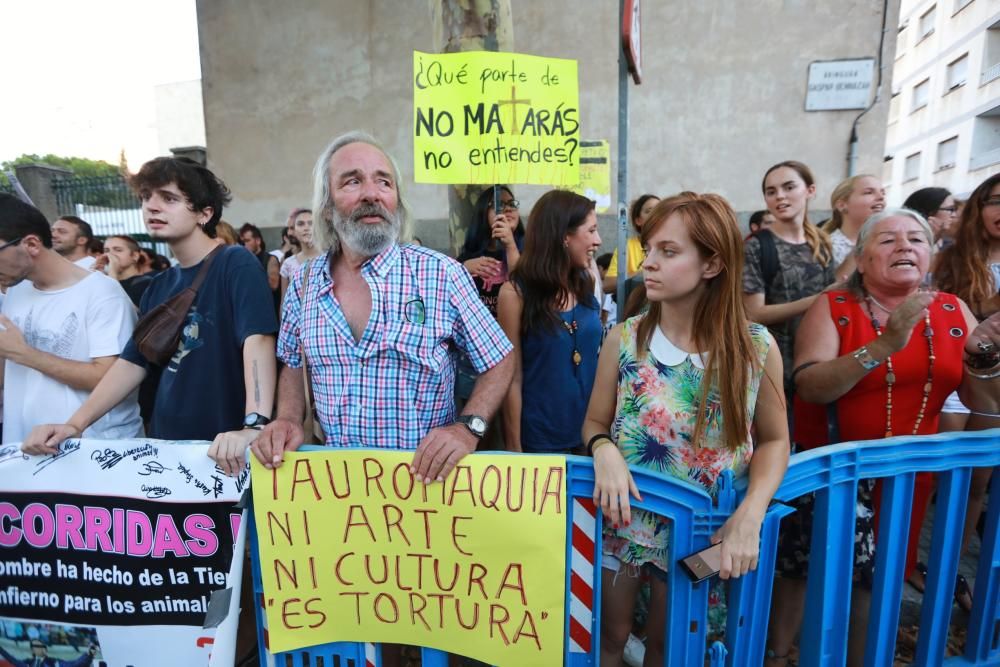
(833, 474)
(108, 204)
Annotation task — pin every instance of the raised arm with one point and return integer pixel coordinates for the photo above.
(823, 375)
(981, 394)
(84, 375)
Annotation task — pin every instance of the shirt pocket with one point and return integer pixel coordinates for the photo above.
(413, 346)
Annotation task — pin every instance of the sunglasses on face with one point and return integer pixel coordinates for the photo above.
(509, 205)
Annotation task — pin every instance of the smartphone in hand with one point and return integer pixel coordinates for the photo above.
(703, 564)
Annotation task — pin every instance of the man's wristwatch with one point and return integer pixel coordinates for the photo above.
(256, 421)
(476, 424)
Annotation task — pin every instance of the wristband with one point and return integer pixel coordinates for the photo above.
(600, 444)
(599, 436)
(865, 358)
(989, 375)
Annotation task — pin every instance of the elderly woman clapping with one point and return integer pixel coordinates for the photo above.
(885, 353)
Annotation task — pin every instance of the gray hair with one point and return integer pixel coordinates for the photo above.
(324, 235)
(854, 281)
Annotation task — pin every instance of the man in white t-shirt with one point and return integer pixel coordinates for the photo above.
(71, 238)
(62, 328)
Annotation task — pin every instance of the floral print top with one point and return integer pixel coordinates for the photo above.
(654, 423)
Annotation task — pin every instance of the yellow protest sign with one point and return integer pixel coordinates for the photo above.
(353, 549)
(595, 173)
(490, 117)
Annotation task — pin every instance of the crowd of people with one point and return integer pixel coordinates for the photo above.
(729, 349)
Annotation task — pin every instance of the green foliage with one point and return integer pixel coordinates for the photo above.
(82, 167)
(93, 182)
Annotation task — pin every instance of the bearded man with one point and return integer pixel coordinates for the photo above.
(376, 323)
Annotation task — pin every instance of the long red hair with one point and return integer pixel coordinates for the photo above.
(720, 321)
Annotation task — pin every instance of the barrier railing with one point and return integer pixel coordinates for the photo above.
(832, 473)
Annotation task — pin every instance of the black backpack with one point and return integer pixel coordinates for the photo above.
(769, 263)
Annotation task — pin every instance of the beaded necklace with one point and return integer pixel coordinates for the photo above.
(571, 328)
(890, 376)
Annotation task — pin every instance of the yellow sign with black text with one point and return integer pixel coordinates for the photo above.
(595, 174)
(494, 117)
(352, 548)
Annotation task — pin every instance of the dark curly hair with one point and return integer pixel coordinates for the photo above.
(202, 188)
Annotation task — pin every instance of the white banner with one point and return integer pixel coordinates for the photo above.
(120, 554)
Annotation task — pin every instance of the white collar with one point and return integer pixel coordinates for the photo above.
(669, 354)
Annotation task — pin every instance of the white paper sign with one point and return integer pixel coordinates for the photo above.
(840, 84)
(114, 552)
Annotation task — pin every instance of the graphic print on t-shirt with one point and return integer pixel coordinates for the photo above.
(490, 283)
(190, 339)
(59, 343)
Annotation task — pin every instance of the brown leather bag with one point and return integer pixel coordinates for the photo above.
(158, 333)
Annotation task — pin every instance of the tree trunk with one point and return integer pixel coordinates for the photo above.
(469, 25)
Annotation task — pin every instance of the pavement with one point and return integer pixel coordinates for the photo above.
(909, 613)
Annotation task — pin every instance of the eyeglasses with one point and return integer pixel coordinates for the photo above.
(11, 243)
(992, 201)
(951, 210)
(509, 205)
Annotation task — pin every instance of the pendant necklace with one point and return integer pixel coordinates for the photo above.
(890, 375)
(571, 328)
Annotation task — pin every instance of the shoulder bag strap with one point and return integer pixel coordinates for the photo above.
(311, 426)
(203, 271)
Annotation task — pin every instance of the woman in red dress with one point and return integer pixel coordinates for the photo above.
(886, 354)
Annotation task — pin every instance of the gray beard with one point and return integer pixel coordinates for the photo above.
(367, 239)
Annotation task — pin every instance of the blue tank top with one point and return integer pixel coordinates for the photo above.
(554, 390)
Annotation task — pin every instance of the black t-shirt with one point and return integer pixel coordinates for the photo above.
(136, 286)
(201, 392)
(265, 259)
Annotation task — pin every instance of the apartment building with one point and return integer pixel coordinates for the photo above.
(944, 115)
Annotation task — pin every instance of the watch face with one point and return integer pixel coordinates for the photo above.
(478, 424)
(253, 419)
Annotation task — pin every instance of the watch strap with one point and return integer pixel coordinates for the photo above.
(467, 421)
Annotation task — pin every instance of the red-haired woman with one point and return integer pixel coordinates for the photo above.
(677, 390)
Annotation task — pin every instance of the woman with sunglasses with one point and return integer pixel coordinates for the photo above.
(939, 207)
(493, 243)
(492, 249)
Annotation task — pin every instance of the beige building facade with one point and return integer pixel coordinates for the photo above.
(722, 96)
(944, 118)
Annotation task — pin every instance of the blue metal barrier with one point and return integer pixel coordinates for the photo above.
(833, 474)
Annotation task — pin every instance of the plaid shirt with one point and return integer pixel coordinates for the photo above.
(397, 383)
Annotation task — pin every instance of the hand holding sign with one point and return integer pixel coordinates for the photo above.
(352, 548)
